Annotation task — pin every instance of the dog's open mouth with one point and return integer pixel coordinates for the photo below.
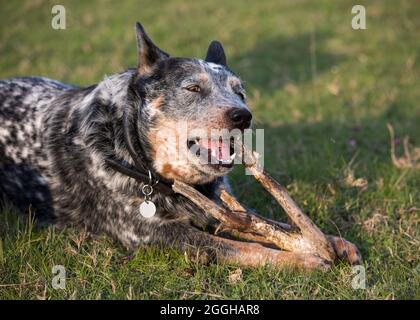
(217, 152)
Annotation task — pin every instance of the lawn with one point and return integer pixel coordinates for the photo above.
(322, 92)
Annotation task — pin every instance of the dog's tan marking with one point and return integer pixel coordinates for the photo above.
(255, 255)
(345, 250)
(164, 144)
(203, 77)
(177, 172)
(158, 102)
(167, 168)
(143, 65)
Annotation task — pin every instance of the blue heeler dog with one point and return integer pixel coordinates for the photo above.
(80, 156)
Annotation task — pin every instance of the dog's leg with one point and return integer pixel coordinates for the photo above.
(255, 255)
(234, 218)
(345, 250)
(204, 247)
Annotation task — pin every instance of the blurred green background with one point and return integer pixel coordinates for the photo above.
(322, 91)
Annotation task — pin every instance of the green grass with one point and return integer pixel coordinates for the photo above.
(323, 93)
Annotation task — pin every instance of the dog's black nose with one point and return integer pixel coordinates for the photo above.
(240, 117)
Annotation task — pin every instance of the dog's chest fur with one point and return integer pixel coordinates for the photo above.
(53, 142)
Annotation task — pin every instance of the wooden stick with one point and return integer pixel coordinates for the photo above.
(247, 223)
(234, 205)
(248, 236)
(310, 231)
(239, 221)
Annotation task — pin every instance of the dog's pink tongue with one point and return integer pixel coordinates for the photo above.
(221, 148)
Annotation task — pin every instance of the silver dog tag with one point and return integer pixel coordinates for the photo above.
(147, 209)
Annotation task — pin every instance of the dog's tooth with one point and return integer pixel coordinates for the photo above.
(233, 156)
(227, 161)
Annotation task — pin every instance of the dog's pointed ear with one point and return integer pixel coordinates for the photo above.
(216, 53)
(148, 53)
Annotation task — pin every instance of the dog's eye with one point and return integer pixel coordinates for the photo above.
(193, 88)
(241, 95)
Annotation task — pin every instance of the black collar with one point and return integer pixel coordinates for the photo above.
(125, 168)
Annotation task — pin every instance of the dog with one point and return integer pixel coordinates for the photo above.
(84, 156)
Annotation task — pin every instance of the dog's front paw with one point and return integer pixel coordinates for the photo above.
(346, 250)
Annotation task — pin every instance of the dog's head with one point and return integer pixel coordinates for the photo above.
(190, 111)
